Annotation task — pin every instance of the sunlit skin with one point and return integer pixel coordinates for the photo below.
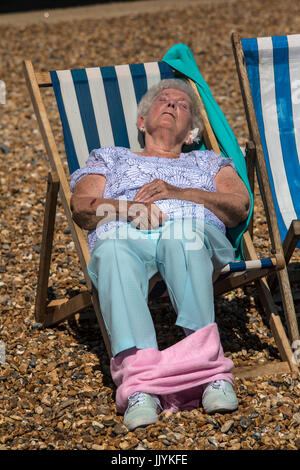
(168, 124)
(167, 127)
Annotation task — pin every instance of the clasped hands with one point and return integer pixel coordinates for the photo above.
(149, 215)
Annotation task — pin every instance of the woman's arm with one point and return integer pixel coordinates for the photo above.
(89, 208)
(230, 203)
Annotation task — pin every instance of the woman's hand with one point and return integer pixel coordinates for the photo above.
(145, 216)
(157, 190)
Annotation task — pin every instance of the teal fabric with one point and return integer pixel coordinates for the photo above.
(181, 59)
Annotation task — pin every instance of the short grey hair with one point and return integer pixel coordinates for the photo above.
(177, 84)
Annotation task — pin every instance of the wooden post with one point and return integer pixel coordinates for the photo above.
(46, 247)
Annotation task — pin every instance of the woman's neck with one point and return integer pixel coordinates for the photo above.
(162, 148)
(160, 153)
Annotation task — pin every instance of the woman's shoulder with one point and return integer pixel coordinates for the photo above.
(109, 150)
(204, 155)
(107, 154)
(211, 160)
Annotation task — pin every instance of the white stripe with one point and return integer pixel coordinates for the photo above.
(249, 266)
(129, 104)
(100, 107)
(294, 65)
(73, 115)
(269, 110)
(152, 73)
(253, 264)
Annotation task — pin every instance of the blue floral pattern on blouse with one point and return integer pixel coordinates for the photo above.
(126, 172)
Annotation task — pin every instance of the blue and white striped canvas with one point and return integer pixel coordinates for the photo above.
(273, 66)
(98, 106)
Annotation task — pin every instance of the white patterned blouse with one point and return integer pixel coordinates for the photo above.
(126, 172)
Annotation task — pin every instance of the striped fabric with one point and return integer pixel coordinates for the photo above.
(273, 66)
(239, 267)
(98, 106)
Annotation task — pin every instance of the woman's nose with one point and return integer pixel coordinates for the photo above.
(172, 103)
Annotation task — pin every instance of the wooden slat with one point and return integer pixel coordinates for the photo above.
(291, 239)
(282, 342)
(271, 368)
(46, 248)
(43, 79)
(208, 133)
(240, 280)
(61, 309)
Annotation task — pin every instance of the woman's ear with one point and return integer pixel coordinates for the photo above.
(188, 139)
(141, 131)
(141, 124)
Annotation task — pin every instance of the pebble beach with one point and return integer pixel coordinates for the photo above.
(56, 392)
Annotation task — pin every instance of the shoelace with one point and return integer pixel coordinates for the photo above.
(139, 398)
(217, 385)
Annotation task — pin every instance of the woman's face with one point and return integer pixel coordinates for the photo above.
(171, 109)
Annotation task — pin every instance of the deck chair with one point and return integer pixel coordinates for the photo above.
(269, 75)
(98, 108)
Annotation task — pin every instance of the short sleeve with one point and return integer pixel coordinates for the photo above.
(99, 162)
(216, 162)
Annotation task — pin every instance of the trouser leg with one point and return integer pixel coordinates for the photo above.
(120, 270)
(187, 265)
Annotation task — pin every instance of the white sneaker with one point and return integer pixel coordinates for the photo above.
(218, 397)
(143, 409)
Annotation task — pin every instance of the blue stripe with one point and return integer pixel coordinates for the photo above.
(266, 263)
(237, 266)
(115, 106)
(86, 108)
(69, 144)
(139, 80)
(285, 117)
(165, 71)
(250, 48)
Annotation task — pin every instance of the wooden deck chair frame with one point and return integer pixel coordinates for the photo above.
(258, 163)
(56, 311)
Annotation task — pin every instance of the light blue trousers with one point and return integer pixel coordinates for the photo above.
(184, 252)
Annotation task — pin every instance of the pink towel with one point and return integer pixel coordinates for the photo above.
(176, 374)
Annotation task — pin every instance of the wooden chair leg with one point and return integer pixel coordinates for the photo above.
(291, 240)
(58, 310)
(288, 304)
(96, 305)
(276, 326)
(270, 308)
(46, 247)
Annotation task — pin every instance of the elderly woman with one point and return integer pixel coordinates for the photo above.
(161, 210)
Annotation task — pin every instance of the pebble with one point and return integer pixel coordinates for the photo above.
(227, 426)
(296, 418)
(109, 420)
(245, 422)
